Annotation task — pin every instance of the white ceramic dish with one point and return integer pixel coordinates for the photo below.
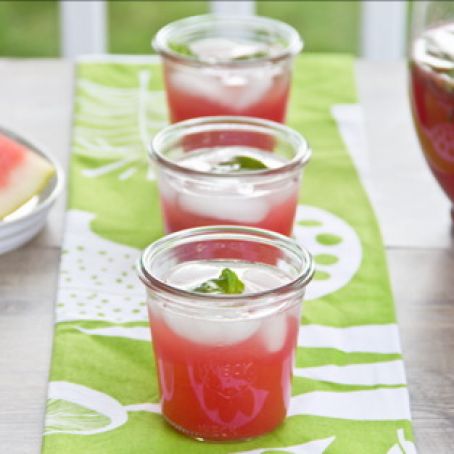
(23, 224)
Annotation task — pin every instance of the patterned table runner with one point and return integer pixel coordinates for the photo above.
(349, 392)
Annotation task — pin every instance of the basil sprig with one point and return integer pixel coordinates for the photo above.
(228, 283)
(239, 163)
(181, 49)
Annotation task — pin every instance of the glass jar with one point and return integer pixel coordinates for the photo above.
(227, 65)
(193, 195)
(225, 361)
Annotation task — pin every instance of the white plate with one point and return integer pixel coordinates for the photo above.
(23, 224)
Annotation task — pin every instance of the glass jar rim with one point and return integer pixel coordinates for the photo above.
(214, 123)
(192, 300)
(160, 41)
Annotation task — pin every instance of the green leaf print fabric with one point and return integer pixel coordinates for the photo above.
(349, 389)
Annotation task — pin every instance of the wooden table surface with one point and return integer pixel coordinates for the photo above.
(35, 98)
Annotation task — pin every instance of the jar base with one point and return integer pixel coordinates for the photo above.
(203, 439)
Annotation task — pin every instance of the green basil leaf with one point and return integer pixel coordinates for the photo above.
(259, 54)
(181, 49)
(239, 163)
(228, 283)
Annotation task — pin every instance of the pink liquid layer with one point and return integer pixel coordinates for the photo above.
(279, 218)
(433, 113)
(223, 392)
(185, 104)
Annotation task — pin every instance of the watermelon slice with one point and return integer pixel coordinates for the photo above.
(23, 174)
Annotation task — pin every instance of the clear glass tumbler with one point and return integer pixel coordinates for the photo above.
(227, 65)
(199, 187)
(225, 361)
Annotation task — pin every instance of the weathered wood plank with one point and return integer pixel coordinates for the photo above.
(424, 291)
(36, 100)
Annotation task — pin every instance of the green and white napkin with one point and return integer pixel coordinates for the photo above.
(349, 392)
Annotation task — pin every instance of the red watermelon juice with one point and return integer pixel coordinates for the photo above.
(221, 65)
(197, 93)
(229, 171)
(432, 94)
(224, 355)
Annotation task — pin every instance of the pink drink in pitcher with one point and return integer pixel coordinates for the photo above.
(432, 92)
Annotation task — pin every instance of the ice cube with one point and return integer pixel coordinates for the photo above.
(249, 210)
(188, 275)
(234, 80)
(235, 89)
(211, 332)
(285, 191)
(295, 310)
(195, 163)
(198, 82)
(255, 85)
(435, 48)
(222, 49)
(441, 41)
(167, 187)
(274, 331)
(154, 307)
(260, 279)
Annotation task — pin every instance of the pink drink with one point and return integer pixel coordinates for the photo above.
(234, 377)
(225, 361)
(197, 189)
(233, 201)
(227, 66)
(432, 90)
(193, 92)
